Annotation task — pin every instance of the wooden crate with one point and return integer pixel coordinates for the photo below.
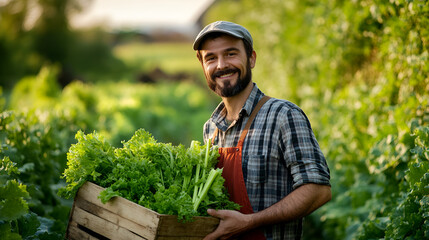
(122, 219)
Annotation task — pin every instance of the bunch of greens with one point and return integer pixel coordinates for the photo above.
(168, 179)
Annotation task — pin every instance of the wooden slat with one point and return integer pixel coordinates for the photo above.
(169, 226)
(122, 207)
(142, 230)
(74, 233)
(71, 224)
(103, 227)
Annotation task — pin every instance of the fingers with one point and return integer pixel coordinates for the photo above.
(228, 224)
(221, 214)
(213, 213)
(218, 233)
(211, 236)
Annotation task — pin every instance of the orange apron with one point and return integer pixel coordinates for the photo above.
(230, 161)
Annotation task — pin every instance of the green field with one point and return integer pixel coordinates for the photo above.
(171, 57)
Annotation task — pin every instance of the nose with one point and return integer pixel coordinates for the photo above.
(221, 63)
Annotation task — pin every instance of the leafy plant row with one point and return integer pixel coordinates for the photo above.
(33, 155)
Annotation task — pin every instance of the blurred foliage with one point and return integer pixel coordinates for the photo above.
(160, 62)
(359, 69)
(37, 32)
(172, 111)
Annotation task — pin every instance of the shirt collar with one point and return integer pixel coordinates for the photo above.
(219, 114)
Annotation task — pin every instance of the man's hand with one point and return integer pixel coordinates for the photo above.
(231, 223)
(299, 203)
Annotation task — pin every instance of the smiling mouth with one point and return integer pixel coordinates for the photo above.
(225, 74)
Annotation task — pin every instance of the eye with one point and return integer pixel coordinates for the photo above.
(209, 59)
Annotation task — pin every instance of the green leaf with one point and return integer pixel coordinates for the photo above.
(107, 194)
(6, 232)
(12, 202)
(7, 167)
(28, 225)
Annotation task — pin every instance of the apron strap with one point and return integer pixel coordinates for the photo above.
(255, 111)
(251, 118)
(214, 135)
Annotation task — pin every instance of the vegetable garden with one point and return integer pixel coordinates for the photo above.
(359, 69)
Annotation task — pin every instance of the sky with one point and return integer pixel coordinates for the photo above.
(135, 13)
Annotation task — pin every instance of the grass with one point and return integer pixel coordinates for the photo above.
(170, 57)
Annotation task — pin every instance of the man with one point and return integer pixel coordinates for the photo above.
(272, 164)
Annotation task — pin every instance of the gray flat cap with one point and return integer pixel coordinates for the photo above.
(230, 28)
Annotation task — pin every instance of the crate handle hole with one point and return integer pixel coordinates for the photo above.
(92, 233)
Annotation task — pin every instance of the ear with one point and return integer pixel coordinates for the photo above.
(200, 58)
(198, 54)
(253, 59)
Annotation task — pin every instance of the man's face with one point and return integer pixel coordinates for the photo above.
(226, 65)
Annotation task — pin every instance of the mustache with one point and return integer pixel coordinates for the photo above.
(223, 72)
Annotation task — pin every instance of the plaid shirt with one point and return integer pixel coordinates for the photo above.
(280, 153)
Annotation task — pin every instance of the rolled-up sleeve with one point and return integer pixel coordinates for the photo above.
(302, 152)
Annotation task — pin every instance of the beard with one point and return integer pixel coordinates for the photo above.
(229, 90)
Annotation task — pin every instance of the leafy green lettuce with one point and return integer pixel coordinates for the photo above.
(168, 179)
